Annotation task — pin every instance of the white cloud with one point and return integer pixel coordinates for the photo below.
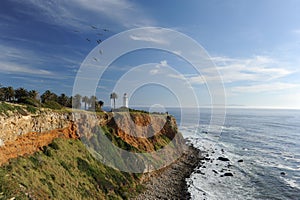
(149, 39)
(258, 68)
(266, 87)
(154, 71)
(82, 13)
(7, 67)
(158, 68)
(163, 63)
(249, 75)
(177, 76)
(197, 79)
(122, 11)
(14, 60)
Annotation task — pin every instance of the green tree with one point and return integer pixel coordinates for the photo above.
(101, 103)
(2, 96)
(63, 100)
(21, 94)
(9, 93)
(113, 97)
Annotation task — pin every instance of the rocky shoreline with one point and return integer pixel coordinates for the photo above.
(170, 182)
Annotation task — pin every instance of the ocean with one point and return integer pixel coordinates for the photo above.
(263, 148)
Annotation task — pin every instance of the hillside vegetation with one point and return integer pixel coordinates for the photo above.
(64, 169)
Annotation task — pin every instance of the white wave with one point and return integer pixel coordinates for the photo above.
(287, 167)
(233, 128)
(292, 158)
(292, 183)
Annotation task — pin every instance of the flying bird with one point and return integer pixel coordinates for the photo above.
(95, 59)
(88, 39)
(94, 27)
(99, 41)
(105, 30)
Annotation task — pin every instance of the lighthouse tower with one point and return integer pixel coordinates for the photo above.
(125, 100)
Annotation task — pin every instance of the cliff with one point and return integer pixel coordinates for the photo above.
(35, 143)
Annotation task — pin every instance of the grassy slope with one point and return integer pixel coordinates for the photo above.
(64, 169)
(22, 109)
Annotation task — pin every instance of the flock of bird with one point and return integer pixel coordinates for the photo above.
(98, 40)
(99, 34)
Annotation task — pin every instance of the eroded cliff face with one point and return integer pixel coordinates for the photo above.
(22, 134)
(15, 124)
(144, 131)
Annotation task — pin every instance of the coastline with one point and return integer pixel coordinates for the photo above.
(170, 182)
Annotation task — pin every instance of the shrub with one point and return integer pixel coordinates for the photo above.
(31, 101)
(52, 105)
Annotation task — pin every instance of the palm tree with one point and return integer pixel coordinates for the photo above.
(93, 102)
(76, 101)
(86, 101)
(33, 94)
(48, 96)
(114, 96)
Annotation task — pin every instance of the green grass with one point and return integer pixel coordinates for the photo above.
(52, 105)
(64, 169)
(6, 107)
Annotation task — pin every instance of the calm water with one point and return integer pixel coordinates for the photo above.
(268, 142)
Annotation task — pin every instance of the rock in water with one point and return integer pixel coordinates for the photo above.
(240, 161)
(228, 174)
(223, 159)
(282, 173)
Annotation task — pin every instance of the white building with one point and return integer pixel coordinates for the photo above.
(125, 100)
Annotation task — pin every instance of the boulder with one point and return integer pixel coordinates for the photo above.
(223, 159)
(228, 174)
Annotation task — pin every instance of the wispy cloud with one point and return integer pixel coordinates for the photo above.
(257, 68)
(82, 13)
(149, 39)
(17, 61)
(152, 35)
(158, 68)
(266, 87)
(7, 67)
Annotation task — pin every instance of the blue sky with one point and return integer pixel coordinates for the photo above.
(254, 44)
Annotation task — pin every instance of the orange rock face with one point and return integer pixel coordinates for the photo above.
(144, 131)
(31, 142)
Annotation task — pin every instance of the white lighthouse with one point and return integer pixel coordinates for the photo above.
(125, 100)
